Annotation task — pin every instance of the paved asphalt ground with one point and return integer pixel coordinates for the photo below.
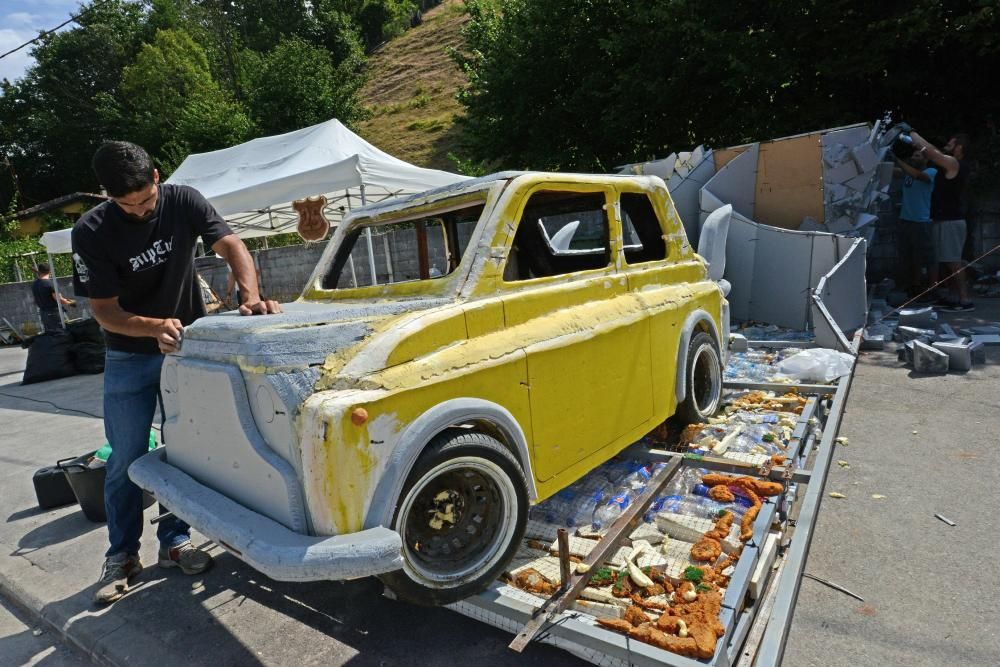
(929, 444)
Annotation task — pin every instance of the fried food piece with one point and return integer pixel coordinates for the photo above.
(690, 433)
(721, 493)
(648, 604)
(778, 460)
(660, 578)
(649, 634)
(767, 488)
(650, 591)
(616, 624)
(636, 616)
(669, 624)
(723, 525)
(727, 561)
(532, 581)
(706, 550)
(704, 639)
(715, 479)
(623, 586)
(685, 590)
(746, 525)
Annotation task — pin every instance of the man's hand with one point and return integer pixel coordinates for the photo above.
(260, 307)
(168, 335)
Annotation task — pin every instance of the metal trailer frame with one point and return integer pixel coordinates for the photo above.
(756, 631)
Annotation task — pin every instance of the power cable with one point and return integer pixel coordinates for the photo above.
(940, 282)
(49, 32)
(57, 407)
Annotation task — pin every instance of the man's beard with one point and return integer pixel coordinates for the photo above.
(132, 217)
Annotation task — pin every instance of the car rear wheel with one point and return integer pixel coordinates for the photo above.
(461, 517)
(703, 380)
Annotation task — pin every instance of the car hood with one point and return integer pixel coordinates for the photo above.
(303, 336)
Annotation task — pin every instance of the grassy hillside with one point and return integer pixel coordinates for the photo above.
(411, 90)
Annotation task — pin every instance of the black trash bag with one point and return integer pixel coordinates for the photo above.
(86, 331)
(49, 357)
(88, 357)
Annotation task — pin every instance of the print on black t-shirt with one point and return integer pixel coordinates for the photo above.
(148, 265)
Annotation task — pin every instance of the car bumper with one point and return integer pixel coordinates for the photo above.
(263, 543)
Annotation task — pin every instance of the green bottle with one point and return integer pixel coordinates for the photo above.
(105, 452)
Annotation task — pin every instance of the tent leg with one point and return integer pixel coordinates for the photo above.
(55, 283)
(368, 240)
(388, 258)
(354, 274)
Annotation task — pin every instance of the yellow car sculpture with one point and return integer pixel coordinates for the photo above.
(455, 356)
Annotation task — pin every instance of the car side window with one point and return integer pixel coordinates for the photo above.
(559, 233)
(641, 231)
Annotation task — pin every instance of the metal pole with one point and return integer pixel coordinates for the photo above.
(350, 258)
(55, 284)
(368, 240)
(772, 647)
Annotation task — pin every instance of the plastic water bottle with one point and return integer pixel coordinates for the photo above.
(704, 508)
(612, 508)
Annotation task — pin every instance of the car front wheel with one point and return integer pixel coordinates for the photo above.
(461, 517)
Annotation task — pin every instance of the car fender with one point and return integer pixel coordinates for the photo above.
(422, 430)
(690, 324)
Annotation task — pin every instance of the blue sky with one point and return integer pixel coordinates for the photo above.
(21, 20)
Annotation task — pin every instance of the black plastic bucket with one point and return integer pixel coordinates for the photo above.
(88, 486)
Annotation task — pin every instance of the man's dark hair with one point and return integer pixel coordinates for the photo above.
(122, 167)
(43, 268)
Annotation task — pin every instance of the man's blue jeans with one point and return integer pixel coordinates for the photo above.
(131, 393)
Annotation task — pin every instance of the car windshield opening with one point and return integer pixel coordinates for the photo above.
(423, 248)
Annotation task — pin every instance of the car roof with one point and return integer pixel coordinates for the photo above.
(467, 186)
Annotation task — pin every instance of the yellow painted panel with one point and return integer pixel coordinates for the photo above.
(588, 393)
(484, 317)
(435, 335)
(342, 462)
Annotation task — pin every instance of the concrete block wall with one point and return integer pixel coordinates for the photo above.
(17, 304)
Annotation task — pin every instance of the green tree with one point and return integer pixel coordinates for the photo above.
(588, 84)
(51, 120)
(174, 105)
(296, 85)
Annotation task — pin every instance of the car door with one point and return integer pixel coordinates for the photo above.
(585, 336)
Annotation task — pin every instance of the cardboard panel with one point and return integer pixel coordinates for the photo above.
(780, 292)
(723, 156)
(741, 245)
(844, 290)
(736, 182)
(789, 182)
(684, 192)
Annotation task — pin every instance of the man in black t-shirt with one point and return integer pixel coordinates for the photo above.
(134, 257)
(45, 298)
(948, 213)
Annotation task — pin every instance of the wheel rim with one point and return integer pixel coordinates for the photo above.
(456, 521)
(706, 380)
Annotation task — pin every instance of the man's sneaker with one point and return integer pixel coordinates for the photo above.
(959, 308)
(186, 556)
(115, 577)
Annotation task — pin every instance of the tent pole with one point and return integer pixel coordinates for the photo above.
(368, 240)
(350, 258)
(55, 283)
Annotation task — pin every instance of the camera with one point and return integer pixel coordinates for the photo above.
(903, 147)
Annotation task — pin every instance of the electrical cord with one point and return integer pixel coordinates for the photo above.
(59, 407)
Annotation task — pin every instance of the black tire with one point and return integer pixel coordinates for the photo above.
(474, 489)
(702, 380)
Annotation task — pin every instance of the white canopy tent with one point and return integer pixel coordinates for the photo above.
(254, 184)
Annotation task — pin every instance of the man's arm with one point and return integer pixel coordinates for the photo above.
(111, 316)
(234, 251)
(910, 170)
(946, 162)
